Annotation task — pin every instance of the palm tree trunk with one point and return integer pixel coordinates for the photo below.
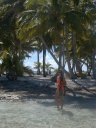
(88, 68)
(60, 56)
(44, 59)
(75, 59)
(38, 63)
(78, 67)
(55, 59)
(63, 54)
(74, 50)
(67, 52)
(63, 50)
(93, 64)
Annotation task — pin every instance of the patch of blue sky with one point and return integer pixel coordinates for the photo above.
(33, 58)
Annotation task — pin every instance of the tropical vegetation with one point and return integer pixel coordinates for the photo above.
(64, 28)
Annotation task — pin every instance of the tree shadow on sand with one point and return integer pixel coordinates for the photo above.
(45, 94)
(28, 90)
(87, 85)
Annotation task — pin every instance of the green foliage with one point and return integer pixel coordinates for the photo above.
(76, 2)
(28, 71)
(36, 65)
(35, 3)
(12, 51)
(23, 22)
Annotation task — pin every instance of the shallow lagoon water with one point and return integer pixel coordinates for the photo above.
(41, 113)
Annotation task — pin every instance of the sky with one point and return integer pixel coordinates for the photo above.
(33, 58)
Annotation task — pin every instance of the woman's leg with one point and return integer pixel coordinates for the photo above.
(61, 98)
(62, 101)
(57, 98)
(63, 90)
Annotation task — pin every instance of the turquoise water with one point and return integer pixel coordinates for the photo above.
(44, 114)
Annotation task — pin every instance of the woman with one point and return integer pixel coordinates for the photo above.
(60, 83)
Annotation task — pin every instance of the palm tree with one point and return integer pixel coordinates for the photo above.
(37, 48)
(42, 24)
(12, 51)
(36, 65)
(48, 68)
(51, 19)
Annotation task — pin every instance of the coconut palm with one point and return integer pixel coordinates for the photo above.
(36, 65)
(48, 68)
(12, 51)
(41, 24)
(51, 18)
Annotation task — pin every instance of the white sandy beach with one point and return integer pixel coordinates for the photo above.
(21, 108)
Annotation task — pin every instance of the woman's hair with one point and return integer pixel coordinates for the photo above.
(61, 75)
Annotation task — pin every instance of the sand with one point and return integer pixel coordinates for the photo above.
(30, 103)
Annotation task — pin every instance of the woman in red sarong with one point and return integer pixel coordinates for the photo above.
(60, 90)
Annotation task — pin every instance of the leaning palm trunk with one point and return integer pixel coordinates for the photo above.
(60, 55)
(55, 59)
